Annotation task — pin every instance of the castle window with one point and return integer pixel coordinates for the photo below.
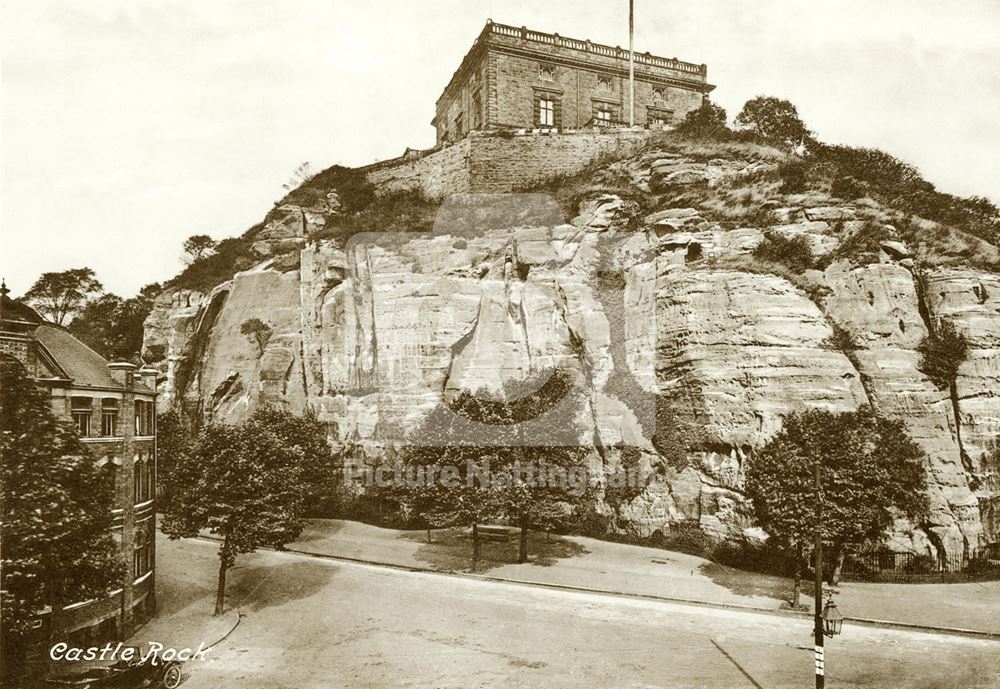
(109, 417)
(604, 115)
(546, 112)
(658, 95)
(458, 124)
(81, 409)
(477, 110)
(604, 84)
(546, 72)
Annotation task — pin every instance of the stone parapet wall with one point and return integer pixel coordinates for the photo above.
(490, 162)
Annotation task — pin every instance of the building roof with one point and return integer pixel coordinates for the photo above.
(81, 363)
(85, 367)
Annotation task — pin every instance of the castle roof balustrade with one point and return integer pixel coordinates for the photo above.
(587, 46)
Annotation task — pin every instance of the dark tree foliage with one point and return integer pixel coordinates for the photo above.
(197, 246)
(942, 352)
(775, 120)
(112, 326)
(173, 443)
(870, 470)
(57, 544)
(258, 332)
(521, 438)
(708, 121)
(60, 296)
(250, 484)
(793, 252)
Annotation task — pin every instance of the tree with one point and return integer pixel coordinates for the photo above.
(942, 352)
(173, 443)
(708, 121)
(773, 119)
(300, 175)
(197, 247)
(249, 484)
(257, 331)
(112, 326)
(57, 543)
(870, 471)
(447, 466)
(59, 296)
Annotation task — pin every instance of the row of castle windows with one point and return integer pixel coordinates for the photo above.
(603, 113)
(605, 84)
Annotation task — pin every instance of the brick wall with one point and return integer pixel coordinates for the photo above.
(493, 163)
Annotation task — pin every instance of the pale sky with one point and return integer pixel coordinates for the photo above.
(128, 125)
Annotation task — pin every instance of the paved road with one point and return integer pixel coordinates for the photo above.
(313, 623)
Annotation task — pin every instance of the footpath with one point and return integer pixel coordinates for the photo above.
(600, 566)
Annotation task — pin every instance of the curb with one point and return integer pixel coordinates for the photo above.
(739, 607)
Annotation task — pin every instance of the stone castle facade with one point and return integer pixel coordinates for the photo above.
(515, 78)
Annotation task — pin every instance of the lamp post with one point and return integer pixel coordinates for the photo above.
(827, 620)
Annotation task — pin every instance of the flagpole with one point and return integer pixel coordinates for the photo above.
(631, 65)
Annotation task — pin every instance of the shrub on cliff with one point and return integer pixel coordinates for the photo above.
(793, 251)
(942, 352)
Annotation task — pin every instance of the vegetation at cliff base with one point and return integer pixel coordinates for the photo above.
(870, 471)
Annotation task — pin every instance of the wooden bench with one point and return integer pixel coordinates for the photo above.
(492, 533)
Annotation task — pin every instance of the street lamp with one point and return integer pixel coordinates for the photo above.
(832, 619)
(827, 622)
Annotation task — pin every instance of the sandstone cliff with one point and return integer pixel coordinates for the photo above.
(664, 302)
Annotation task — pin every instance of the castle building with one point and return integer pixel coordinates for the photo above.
(113, 408)
(515, 78)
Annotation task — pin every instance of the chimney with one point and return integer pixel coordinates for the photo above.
(148, 376)
(121, 373)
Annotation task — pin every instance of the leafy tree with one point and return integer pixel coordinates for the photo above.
(112, 326)
(59, 296)
(773, 119)
(257, 331)
(870, 469)
(197, 247)
(250, 484)
(448, 471)
(942, 352)
(706, 122)
(173, 443)
(57, 543)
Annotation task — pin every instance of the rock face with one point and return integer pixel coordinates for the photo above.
(375, 334)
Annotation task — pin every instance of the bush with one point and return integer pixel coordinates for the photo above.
(793, 177)
(920, 564)
(754, 556)
(793, 252)
(707, 122)
(846, 187)
(942, 352)
(688, 537)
